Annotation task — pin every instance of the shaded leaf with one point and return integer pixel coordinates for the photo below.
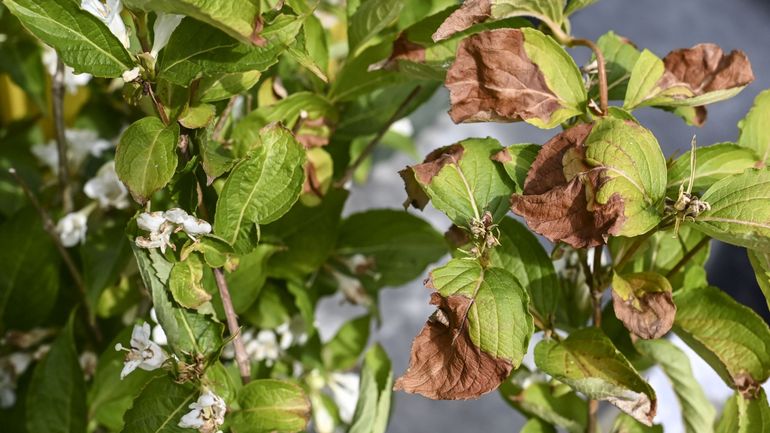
(516, 160)
(375, 395)
(511, 75)
(588, 362)
(185, 282)
(344, 349)
(627, 424)
(159, 407)
(549, 403)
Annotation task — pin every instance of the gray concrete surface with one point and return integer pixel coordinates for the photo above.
(659, 25)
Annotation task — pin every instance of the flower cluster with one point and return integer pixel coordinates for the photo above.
(269, 344)
(162, 224)
(207, 414)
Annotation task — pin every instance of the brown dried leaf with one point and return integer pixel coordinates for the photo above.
(652, 319)
(404, 49)
(444, 363)
(414, 175)
(563, 209)
(705, 68)
(471, 12)
(493, 79)
(313, 132)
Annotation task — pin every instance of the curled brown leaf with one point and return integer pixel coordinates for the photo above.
(648, 316)
(416, 175)
(558, 195)
(493, 79)
(444, 363)
(471, 12)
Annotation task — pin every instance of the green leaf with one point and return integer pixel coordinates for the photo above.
(740, 210)
(109, 396)
(620, 56)
(728, 421)
(185, 282)
(549, 403)
(588, 362)
(159, 407)
(550, 11)
(212, 89)
(713, 163)
(731, 337)
(29, 272)
(536, 425)
(245, 283)
(188, 333)
(516, 160)
(462, 181)
(198, 50)
(761, 264)
(753, 414)
(197, 116)
(375, 395)
(81, 39)
(56, 399)
(344, 349)
(626, 424)
(399, 245)
(521, 254)
(698, 413)
(269, 405)
(240, 20)
(105, 254)
(498, 319)
(263, 187)
(371, 18)
(576, 5)
(754, 133)
(21, 59)
(146, 159)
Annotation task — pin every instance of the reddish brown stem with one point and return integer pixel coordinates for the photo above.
(241, 358)
(603, 91)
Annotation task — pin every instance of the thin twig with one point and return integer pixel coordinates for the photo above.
(50, 228)
(241, 358)
(689, 255)
(373, 143)
(158, 105)
(57, 92)
(216, 135)
(596, 297)
(603, 92)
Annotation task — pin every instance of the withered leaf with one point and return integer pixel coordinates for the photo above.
(493, 79)
(643, 302)
(563, 209)
(423, 173)
(404, 49)
(471, 12)
(445, 364)
(705, 68)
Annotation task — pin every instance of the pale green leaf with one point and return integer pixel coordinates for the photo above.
(740, 210)
(761, 263)
(375, 395)
(371, 18)
(713, 163)
(159, 407)
(576, 5)
(344, 349)
(146, 158)
(498, 319)
(754, 132)
(56, 398)
(620, 56)
(185, 282)
(269, 405)
(626, 424)
(238, 19)
(549, 11)
(588, 362)
(547, 402)
(753, 414)
(698, 414)
(81, 39)
(263, 187)
(731, 337)
(537, 425)
(212, 89)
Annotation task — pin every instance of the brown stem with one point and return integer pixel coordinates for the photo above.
(50, 228)
(373, 143)
(158, 105)
(216, 135)
(686, 258)
(241, 358)
(57, 92)
(593, 408)
(603, 92)
(596, 297)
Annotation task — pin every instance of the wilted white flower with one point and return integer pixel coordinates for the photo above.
(150, 221)
(207, 414)
(106, 188)
(144, 353)
(131, 74)
(71, 80)
(165, 24)
(352, 289)
(88, 361)
(109, 14)
(291, 332)
(344, 387)
(72, 228)
(160, 231)
(188, 223)
(80, 144)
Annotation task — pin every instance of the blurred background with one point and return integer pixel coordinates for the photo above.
(658, 25)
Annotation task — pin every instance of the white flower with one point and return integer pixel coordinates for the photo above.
(109, 14)
(207, 414)
(131, 74)
(403, 126)
(191, 225)
(165, 24)
(291, 332)
(71, 80)
(80, 144)
(158, 334)
(160, 231)
(344, 387)
(106, 188)
(144, 354)
(264, 347)
(150, 221)
(88, 361)
(352, 289)
(72, 228)
(7, 389)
